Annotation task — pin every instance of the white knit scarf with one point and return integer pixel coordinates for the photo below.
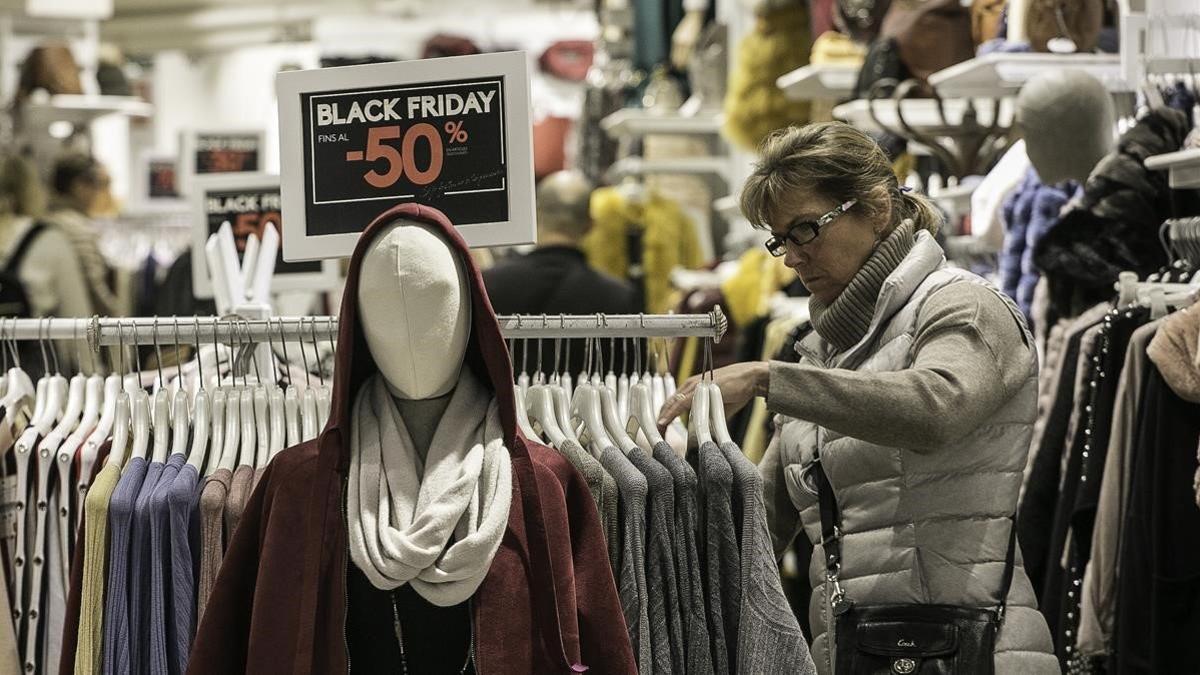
(435, 524)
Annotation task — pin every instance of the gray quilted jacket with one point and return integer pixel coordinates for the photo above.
(919, 527)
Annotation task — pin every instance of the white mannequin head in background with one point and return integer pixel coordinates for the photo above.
(415, 310)
(1067, 120)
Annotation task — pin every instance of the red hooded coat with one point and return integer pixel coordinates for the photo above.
(547, 605)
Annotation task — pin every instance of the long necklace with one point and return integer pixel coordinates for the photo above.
(400, 638)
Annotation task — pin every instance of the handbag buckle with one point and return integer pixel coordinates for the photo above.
(904, 666)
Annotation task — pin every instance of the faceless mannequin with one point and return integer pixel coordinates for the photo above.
(1066, 117)
(415, 309)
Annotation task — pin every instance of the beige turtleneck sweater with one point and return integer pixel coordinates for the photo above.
(970, 357)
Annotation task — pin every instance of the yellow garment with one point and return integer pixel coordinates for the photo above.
(748, 292)
(95, 561)
(668, 241)
(754, 105)
(904, 165)
(755, 443)
(833, 48)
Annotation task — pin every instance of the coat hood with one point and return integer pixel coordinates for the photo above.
(486, 353)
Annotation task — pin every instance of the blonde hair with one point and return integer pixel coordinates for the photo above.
(836, 161)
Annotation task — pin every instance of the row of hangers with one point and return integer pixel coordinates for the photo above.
(221, 419)
(599, 410)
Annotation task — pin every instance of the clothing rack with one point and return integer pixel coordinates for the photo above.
(205, 330)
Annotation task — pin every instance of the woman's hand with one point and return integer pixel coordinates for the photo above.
(739, 384)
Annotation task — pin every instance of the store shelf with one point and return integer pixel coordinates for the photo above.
(1184, 168)
(921, 114)
(635, 122)
(696, 166)
(728, 208)
(957, 199)
(817, 82)
(997, 75)
(81, 110)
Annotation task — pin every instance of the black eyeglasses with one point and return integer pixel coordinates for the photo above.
(804, 231)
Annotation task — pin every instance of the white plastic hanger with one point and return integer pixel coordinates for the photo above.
(227, 249)
(233, 428)
(291, 398)
(161, 426)
(200, 424)
(262, 424)
(93, 400)
(539, 401)
(716, 403)
(249, 261)
(140, 408)
(249, 444)
(587, 409)
(291, 408)
(641, 413)
(323, 393)
(700, 418)
(181, 416)
(278, 416)
(523, 422)
(216, 449)
(259, 290)
(309, 423)
(122, 418)
(562, 408)
(53, 388)
(19, 392)
(216, 269)
(308, 401)
(116, 403)
(47, 452)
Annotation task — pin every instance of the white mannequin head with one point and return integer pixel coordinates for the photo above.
(1067, 118)
(415, 309)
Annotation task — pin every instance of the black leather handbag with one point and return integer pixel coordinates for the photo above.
(903, 639)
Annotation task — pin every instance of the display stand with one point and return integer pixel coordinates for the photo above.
(82, 110)
(832, 82)
(1183, 168)
(636, 122)
(999, 75)
(715, 167)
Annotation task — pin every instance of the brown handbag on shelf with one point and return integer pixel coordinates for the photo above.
(1076, 20)
(930, 34)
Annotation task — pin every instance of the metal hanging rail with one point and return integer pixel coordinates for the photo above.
(205, 330)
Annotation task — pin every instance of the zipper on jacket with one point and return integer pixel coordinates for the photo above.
(830, 626)
(345, 575)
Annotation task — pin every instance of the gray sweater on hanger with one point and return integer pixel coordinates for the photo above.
(697, 644)
(604, 492)
(631, 577)
(769, 639)
(722, 559)
(666, 603)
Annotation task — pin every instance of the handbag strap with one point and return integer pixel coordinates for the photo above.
(831, 541)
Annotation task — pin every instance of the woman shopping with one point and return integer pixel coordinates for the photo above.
(902, 433)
